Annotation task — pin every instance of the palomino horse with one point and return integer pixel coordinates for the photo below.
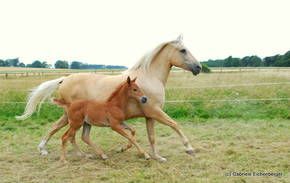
(107, 114)
(152, 71)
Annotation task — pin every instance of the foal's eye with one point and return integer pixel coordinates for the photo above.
(183, 51)
(134, 89)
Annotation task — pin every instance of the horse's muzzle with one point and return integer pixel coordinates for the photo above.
(196, 69)
(143, 99)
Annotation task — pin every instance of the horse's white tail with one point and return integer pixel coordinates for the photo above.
(38, 96)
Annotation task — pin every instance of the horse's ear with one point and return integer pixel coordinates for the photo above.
(134, 79)
(129, 80)
(180, 38)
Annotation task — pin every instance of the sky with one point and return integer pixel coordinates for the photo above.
(120, 32)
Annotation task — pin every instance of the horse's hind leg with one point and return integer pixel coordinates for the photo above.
(61, 122)
(86, 138)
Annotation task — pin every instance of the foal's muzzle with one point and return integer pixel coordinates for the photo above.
(143, 99)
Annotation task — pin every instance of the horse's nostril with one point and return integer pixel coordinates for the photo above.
(144, 100)
(198, 67)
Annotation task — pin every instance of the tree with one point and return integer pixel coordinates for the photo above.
(35, 64)
(270, 61)
(2, 63)
(21, 64)
(61, 64)
(12, 62)
(76, 65)
(255, 61)
(205, 68)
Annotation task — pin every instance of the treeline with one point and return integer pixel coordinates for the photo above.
(252, 61)
(60, 64)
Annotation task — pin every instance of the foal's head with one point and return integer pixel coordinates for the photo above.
(134, 91)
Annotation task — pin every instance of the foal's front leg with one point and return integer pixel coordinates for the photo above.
(120, 129)
(129, 145)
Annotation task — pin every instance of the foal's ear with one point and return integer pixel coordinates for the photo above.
(129, 80)
(134, 79)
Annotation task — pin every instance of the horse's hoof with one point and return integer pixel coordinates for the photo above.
(147, 157)
(190, 152)
(43, 152)
(161, 159)
(104, 156)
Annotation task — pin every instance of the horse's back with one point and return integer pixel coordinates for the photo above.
(88, 86)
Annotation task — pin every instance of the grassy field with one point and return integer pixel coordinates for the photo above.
(229, 134)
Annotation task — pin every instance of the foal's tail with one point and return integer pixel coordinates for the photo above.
(38, 96)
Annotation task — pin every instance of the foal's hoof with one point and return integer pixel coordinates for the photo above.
(63, 161)
(158, 158)
(161, 159)
(190, 152)
(80, 154)
(104, 156)
(119, 150)
(90, 156)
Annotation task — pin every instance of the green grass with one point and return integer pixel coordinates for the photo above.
(222, 146)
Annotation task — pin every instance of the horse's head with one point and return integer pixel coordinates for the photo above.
(134, 91)
(181, 57)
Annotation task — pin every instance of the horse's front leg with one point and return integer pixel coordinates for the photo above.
(158, 114)
(151, 136)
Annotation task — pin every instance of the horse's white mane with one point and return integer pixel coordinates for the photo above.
(147, 59)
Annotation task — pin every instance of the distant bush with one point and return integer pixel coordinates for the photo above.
(205, 68)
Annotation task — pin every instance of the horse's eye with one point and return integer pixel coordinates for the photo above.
(134, 89)
(183, 51)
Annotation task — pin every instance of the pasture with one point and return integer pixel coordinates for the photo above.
(236, 121)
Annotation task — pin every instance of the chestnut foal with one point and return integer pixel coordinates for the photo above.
(108, 114)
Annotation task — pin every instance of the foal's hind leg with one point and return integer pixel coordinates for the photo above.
(61, 122)
(68, 134)
(76, 147)
(86, 138)
(129, 145)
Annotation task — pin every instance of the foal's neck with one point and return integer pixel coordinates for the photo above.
(120, 98)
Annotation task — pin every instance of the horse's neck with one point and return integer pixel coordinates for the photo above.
(160, 67)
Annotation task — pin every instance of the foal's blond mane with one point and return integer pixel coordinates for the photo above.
(148, 58)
